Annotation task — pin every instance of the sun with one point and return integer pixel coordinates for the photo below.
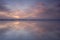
(16, 17)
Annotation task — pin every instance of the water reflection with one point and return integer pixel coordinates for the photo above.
(29, 30)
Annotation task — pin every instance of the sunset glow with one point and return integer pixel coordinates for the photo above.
(29, 19)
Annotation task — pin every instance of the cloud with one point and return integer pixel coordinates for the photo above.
(3, 10)
(38, 10)
(3, 6)
(31, 12)
(52, 10)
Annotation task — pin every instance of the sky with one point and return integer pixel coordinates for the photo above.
(37, 9)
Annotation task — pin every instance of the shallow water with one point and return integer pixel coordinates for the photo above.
(29, 30)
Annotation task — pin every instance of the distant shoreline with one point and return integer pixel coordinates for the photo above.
(29, 19)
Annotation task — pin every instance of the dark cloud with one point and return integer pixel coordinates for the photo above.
(3, 6)
(52, 10)
(4, 17)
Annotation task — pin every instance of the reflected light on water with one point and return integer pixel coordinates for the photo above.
(23, 27)
(28, 30)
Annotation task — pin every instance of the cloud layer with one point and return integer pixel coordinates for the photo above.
(38, 10)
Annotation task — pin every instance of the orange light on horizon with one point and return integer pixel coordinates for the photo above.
(31, 12)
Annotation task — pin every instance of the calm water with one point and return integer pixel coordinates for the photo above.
(29, 30)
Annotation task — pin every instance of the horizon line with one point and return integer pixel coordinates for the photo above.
(29, 19)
